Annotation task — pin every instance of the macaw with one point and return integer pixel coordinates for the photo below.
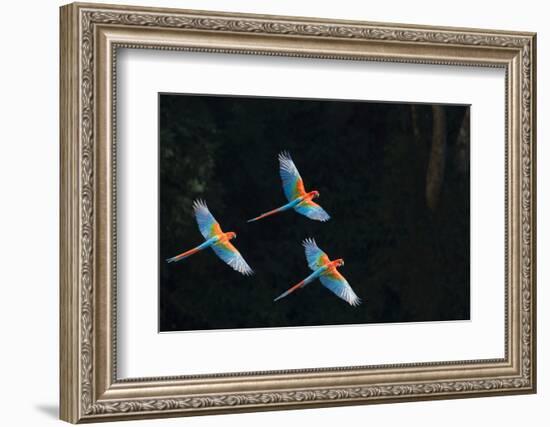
(326, 271)
(298, 199)
(215, 239)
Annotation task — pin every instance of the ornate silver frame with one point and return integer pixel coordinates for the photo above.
(90, 36)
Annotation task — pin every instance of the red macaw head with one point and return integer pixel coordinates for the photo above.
(339, 262)
(314, 194)
(231, 235)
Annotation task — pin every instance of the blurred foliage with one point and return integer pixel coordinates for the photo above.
(368, 160)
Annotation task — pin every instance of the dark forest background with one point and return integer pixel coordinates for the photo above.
(393, 176)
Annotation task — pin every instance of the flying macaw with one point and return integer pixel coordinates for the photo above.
(298, 199)
(215, 239)
(326, 271)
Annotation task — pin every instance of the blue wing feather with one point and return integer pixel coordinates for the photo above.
(333, 280)
(232, 257)
(316, 258)
(208, 225)
(312, 210)
(293, 185)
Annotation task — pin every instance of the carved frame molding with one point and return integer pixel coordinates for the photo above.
(90, 37)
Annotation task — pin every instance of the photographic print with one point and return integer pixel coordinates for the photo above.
(280, 212)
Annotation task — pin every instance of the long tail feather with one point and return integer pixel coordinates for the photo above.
(284, 294)
(184, 254)
(274, 211)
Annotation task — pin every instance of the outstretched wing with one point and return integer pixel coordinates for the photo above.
(208, 225)
(333, 280)
(293, 185)
(312, 210)
(315, 257)
(231, 256)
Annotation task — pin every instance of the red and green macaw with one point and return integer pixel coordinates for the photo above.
(326, 271)
(298, 199)
(215, 239)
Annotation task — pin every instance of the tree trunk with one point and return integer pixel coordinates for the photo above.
(436, 163)
(463, 144)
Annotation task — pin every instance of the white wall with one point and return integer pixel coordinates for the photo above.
(29, 169)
